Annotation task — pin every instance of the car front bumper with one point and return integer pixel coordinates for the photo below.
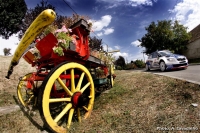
(176, 66)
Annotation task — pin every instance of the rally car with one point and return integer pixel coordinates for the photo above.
(166, 60)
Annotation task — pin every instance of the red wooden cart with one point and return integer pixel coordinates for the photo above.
(63, 87)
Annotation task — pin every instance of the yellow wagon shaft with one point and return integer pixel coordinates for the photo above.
(44, 19)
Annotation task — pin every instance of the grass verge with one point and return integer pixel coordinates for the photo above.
(138, 102)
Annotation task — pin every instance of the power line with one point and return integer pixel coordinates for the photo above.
(76, 13)
(57, 8)
(70, 7)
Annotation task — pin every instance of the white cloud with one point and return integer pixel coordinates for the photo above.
(101, 26)
(115, 3)
(140, 2)
(137, 56)
(117, 54)
(106, 47)
(136, 43)
(188, 13)
(100, 34)
(108, 31)
(117, 47)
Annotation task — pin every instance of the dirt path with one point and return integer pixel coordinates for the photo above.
(8, 109)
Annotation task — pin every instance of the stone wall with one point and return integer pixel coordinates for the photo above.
(193, 50)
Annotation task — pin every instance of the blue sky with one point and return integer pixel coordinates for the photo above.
(120, 23)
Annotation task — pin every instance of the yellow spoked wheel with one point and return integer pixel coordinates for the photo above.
(111, 72)
(25, 91)
(67, 95)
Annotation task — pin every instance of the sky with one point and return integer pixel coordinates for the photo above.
(120, 23)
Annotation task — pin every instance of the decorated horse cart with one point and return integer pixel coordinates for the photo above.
(64, 84)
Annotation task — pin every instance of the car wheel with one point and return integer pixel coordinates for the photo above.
(162, 66)
(147, 67)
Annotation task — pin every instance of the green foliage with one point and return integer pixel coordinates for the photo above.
(120, 62)
(129, 66)
(165, 35)
(31, 14)
(119, 68)
(11, 14)
(58, 50)
(58, 23)
(65, 39)
(6, 51)
(95, 43)
(139, 63)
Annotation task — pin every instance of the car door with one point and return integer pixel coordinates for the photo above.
(150, 60)
(155, 58)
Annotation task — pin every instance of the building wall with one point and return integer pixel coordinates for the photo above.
(193, 50)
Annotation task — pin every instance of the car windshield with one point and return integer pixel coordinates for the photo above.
(165, 53)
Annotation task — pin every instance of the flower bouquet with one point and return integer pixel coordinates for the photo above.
(64, 40)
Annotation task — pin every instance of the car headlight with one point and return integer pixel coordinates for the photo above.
(171, 59)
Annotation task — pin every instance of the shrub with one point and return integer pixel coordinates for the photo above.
(129, 66)
(139, 63)
(6, 51)
(119, 68)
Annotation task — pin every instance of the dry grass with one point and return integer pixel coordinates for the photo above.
(143, 102)
(139, 102)
(8, 86)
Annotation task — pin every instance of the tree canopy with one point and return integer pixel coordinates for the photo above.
(59, 22)
(6, 51)
(31, 14)
(95, 43)
(120, 62)
(165, 35)
(11, 14)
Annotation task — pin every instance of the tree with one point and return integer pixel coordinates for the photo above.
(120, 62)
(6, 51)
(95, 43)
(140, 63)
(165, 35)
(31, 14)
(58, 23)
(11, 14)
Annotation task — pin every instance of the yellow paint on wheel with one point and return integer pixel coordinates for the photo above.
(20, 89)
(53, 123)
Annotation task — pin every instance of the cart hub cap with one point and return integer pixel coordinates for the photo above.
(79, 99)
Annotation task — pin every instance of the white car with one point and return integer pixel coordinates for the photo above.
(166, 60)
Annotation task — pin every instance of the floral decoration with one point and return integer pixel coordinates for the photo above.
(64, 40)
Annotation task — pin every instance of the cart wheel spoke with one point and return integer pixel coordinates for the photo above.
(85, 87)
(88, 113)
(72, 81)
(64, 87)
(80, 81)
(71, 113)
(78, 114)
(86, 109)
(63, 103)
(25, 91)
(64, 111)
(54, 100)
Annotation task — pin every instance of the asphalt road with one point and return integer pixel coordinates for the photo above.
(191, 74)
